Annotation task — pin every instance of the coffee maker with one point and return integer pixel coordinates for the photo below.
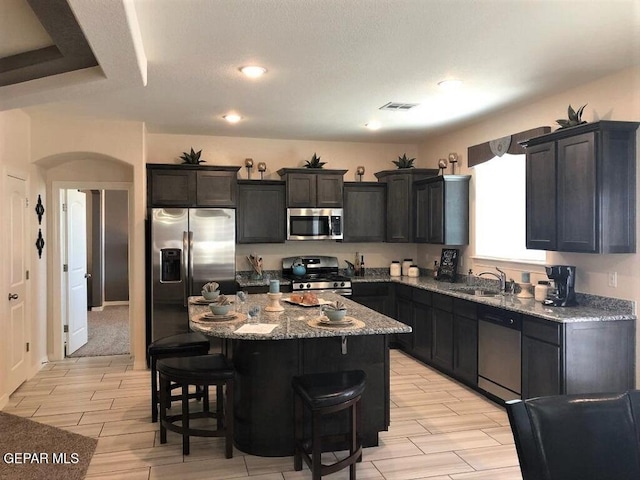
(564, 279)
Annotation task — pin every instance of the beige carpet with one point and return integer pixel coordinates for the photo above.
(35, 451)
(108, 333)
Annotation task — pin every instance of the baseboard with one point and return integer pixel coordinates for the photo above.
(4, 400)
(139, 364)
(97, 309)
(114, 303)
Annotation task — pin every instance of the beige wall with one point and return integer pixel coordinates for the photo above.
(615, 97)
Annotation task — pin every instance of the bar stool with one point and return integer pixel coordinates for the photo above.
(181, 345)
(323, 394)
(202, 370)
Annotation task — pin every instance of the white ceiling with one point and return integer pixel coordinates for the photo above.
(332, 63)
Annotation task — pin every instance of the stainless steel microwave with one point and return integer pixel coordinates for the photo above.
(314, 224)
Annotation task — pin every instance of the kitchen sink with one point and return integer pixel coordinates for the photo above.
(478, 292)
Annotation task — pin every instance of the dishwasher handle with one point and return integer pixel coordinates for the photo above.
(513, 321)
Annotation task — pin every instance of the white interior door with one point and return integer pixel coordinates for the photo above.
(76, 256)
(16, 346)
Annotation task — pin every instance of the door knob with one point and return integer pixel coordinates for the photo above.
(87, 275)
(13, 296)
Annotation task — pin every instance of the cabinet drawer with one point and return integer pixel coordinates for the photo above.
(404, 291)
(465, 308)
(442, 302)
(422, 296)
(542, 330)
(370, 289)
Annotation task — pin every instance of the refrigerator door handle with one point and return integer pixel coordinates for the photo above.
(190, 267)
(185, 275)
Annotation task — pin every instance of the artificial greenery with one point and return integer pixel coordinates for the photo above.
(314, 162)
(575, 118)
(191, 158)
(404, 162)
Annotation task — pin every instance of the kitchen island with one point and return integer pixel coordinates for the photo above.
(266, 362)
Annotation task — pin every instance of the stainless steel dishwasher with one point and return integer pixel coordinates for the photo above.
(500, 352)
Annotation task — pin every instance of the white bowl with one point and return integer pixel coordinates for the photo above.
(210, 295)
(335, 315)
(219, 309)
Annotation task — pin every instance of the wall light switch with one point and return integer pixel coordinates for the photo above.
(613, 279)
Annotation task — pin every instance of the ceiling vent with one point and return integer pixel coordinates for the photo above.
(398, 107)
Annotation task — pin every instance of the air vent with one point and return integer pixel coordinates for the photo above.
(398, 107)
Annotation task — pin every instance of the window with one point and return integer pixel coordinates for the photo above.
(500, 210)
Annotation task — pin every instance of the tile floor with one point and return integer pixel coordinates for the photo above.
(439, 430)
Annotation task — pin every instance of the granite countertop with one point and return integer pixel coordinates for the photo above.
(292, 322)
(590, 307)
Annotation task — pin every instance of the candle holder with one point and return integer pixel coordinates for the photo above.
(453, 159)
(442, 165)
(262, 167)
(274, 303)
(248, 163)
(360, 172)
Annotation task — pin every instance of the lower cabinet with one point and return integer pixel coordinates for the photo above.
(423, 325)
(465, 341)
(404, 314)
(541, 358)
(375, 295)
(442, 317)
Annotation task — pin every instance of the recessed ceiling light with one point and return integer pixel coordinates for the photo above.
(450, 84)
(253, 71)
(373, 125)
(232, 117)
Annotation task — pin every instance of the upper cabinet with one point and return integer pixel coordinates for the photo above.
(313, 188)
(442, 210)
(364, 211)
(191, 186)
(581, 189)
(400, 204)
(261, 212)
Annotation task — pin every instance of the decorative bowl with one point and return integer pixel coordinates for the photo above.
(335, 315)
(219, 309)
(210, 295)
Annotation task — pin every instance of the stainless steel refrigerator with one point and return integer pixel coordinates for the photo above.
(188, 247)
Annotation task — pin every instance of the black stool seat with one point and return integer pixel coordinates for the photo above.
(196, 370)
(180, 345)
(323, 394)
(177, 344)
(321, 390)
(201, 370)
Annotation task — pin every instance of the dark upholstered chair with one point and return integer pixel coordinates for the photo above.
(203, 370)
(181, 345)
(323, 394)
(578, 437)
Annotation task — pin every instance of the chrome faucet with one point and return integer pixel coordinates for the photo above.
(502, 277)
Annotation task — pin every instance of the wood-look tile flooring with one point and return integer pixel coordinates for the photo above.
(439, 429)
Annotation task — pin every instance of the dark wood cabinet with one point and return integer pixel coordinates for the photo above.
(191, 186)
(364, 212)
(442, 315)
(580, 357)
(405, 314)
(313, 189)
(375, 295)
(442, 210)
(465, 341)
(400, 201)
(261, 212)
(423, 325)
(581, 189)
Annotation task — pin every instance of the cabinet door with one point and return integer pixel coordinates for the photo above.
(442, 354)
(541, 197)
(364, 212)
(261, 213)
(421, 205)
(399, 210)
(171, 188)
(301, 190)
(576, 210)
(435, 212)
(216, 188)
(328, 191)
(465, 348)
(405, 315)
(423, 331)
(541, 368)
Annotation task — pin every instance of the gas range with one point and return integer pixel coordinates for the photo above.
(322, 274)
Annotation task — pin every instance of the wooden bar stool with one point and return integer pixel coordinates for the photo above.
(323, 394)
(204, 370)
(181, 345)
